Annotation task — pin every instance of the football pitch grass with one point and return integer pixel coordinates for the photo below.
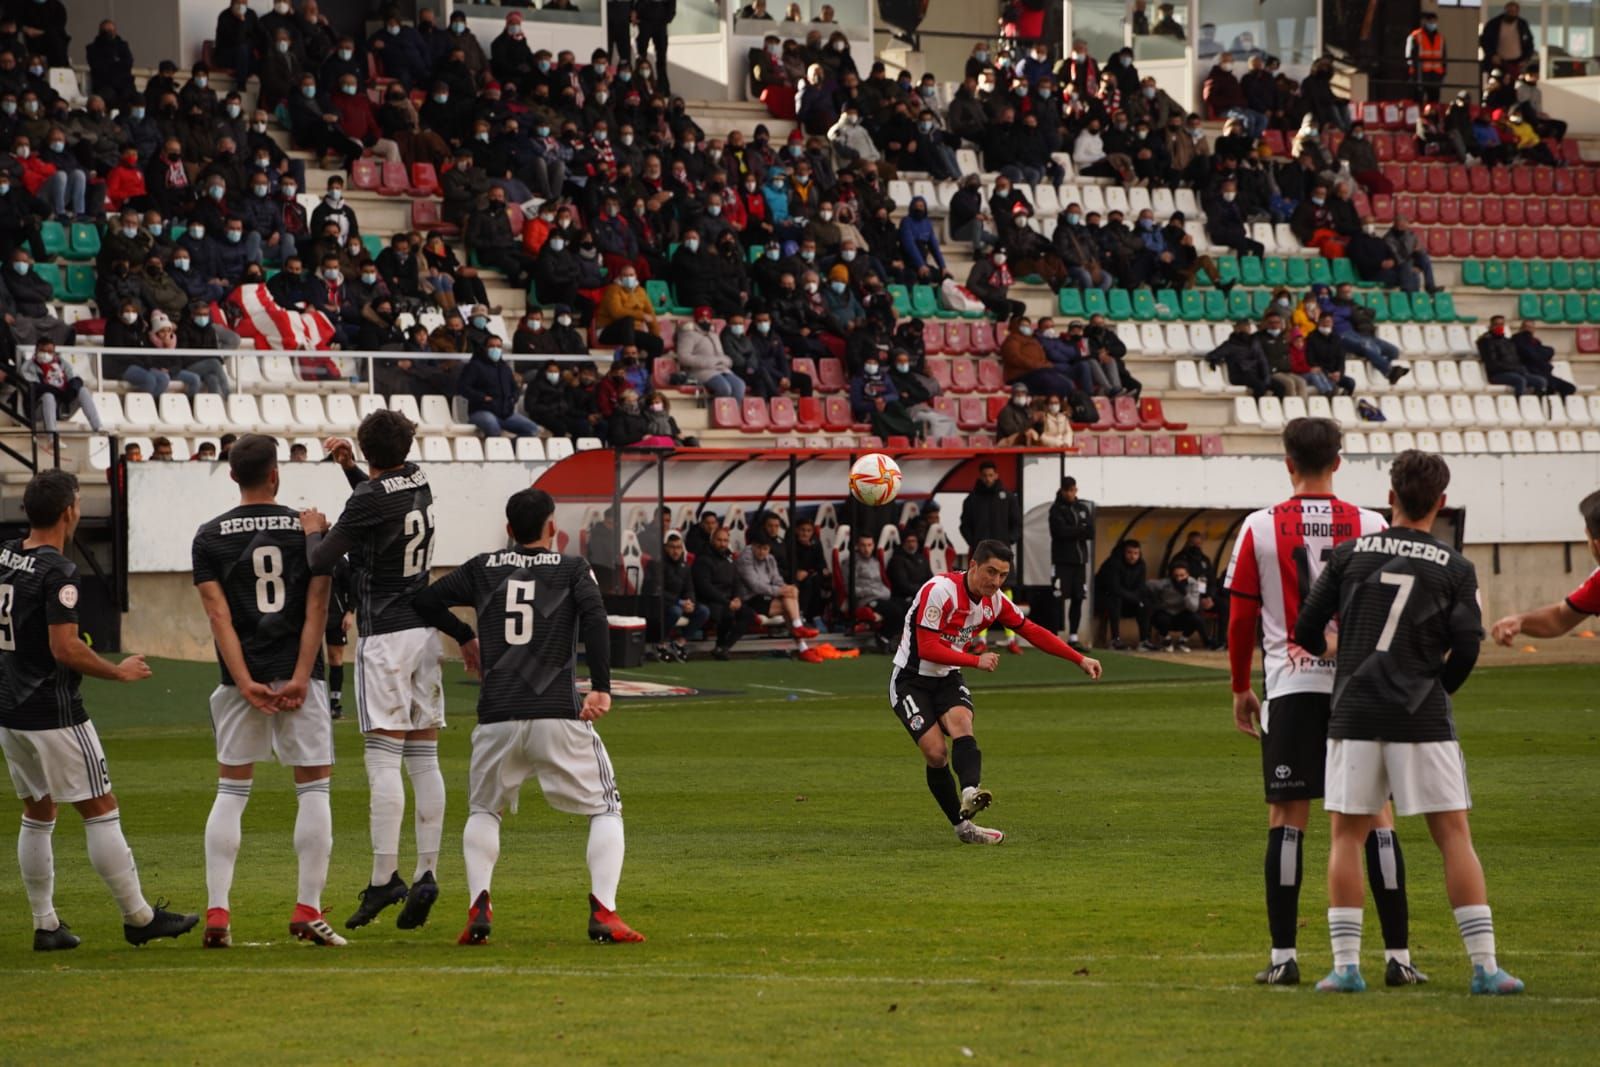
(805, 903)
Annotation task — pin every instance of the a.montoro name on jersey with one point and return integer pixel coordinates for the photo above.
(521, 560)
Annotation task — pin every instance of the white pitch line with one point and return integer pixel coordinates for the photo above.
(899, 982)
(794, 689)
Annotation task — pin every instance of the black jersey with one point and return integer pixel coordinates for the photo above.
(387, 528)
(341, 598)
(38, 590)
(257, 553)
(532, 608)
(1404, 600)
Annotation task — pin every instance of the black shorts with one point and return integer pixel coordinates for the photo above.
(1294, 746)
(335, 635)
(919, 701)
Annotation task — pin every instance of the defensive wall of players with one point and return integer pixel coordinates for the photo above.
(1510, 506)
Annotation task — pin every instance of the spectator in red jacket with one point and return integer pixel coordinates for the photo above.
(125, 183)
(358, 120)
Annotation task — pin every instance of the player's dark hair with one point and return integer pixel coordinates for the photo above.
(988, 550)
(48, 496)
(1590, 510)
(1312, 444)
(385, 438)
(1418, 479)
(527, 511)
(252, 460)
(988, 465)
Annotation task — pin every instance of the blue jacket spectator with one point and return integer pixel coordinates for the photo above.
(490, 390)
(776, 194)
(402, 52)
(918, 238)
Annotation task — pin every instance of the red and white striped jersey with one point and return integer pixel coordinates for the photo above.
(1279, 554)
(944, 606)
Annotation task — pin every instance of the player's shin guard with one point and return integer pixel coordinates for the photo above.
(1285, 867)
(36, 860)
(388, 803)
(480, 847)
(1344, 930)
(943, 787)
(112, 860)
(1476, 924)
(605, 858)
(967, 761)
(222, 838)
(313, 841)
(427, 789)
(1386, 875)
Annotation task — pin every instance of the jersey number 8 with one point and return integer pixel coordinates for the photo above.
(270, 592)
(519, 613)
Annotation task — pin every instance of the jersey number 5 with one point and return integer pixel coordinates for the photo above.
(519, 613)
(8, 634)
(419, 541)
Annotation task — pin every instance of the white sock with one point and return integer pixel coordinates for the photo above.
(800, 644)
(1344, 927)
(112, 860)
(480, 845)
(222, 838)
(1477, 933)
(427, 792)
(795, 624)
(1073, 638)
(1401, 955)
(313, 840)
(36, 860)
(388, 803)
(1284, 955)
(605, 858)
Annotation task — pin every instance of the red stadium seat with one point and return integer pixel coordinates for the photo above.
(1394, 115)
(1578, 213)
(991, 377)
(1572, 154)
(1500, 181)
(993, 406)
(1555, 212)
(985, 338)
(1211, 444)
(1439, 178)
(1516, 212)
(1125, 411)
(1549, 244)
(1332, 140)
(1450, 210)
(392, 179)
(1505, 244)
(953, 441)
(947, 406)
(1460, 243)
(1588, 339)
(1151, 417)
(1428, 210)
(1188, 444)
(1105, 416)
(972, 413)
(1396, 173)
(1405, 148)
(1383, 208)
(725, 413)
(939, 369)
(1522, 181)
(784, 417)
(1438, 242)
(1382, 146)
(1590, 243)
(957, 338)
(1483, 244)
(1479, 179)
(1544, 181)
(963, 376)
(1571, 243)
(830, 376)
(1494, 210)
(1564, 182)
(1138, 444)
(835, 414)
(1406, 204)
(1471, 211)
(364, 174)
(896, 441)
(661, 372)
(425, 216)
(1533, 212)
(1416, 178)
(871, 441)
(1582, 180)
(1459, 182)
(803, 365)
(808, 416)
(424, 180)
(1113, 445)
(1274, 140)
(1088, 445)
(1528, 244)
(932, 338)
(1162, 444)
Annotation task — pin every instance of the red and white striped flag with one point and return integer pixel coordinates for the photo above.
(274, 329)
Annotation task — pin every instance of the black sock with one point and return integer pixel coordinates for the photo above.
(1285, 850)
(967, 760)
(335, 682)
(943, 788)
(1386, 874)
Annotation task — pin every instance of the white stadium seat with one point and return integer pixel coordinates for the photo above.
(1294, 407)
(1499, 441)
(1449, 376)
(1318, 407)
(1344, 410)
(1462, 412)
(1177, 340)
(406, 405)
(590, 444)
(367, 403)
(1435, 341)
(1394, 413)
(1153, 340)
(1380, 443)
(1416, 409)
(1245, 412)
(1509, 410)
(1459, 340)
(436, 450)
(530, 450)
(1475, 442)
(175, 411)
(1484, 411)
(1428, 441)
(308, 413)
(1450, 443)
(1577, 410)
(496, 449)
(276, 411)
(1403, 441)
(1531, 408)
(1569, 441)
(1270, 410)
(1591, 440)
(211, 412)
(469, 449)
(1522, 441)
(1424, 376)
(139, 412)
(1545, 441)
(1438, 406)
(1472, 376)
(1355, 443)
(341, 413)
(558, 448)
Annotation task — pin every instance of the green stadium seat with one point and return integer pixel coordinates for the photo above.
(1261, 300)
(1273, 271)
(373, 244)
(1444, 309)
(1517, 273)
(1239, 304)
(1538, 274)
(1379, 306)
(1094, 302)
(1321, 271)
(1422, 307)
(1250, 271)
(660, 296)
(1167, 305)
(1528, 306)
(925, 304)
(1591, 307)
(1216, 306)
(1144, 305)
(1472, 272)
(1399, 307)
(1070, 302)
(1583, 275)
(1554, 309)
(1344, 273)
(1494, 275)
(85, 241)
(1299, 270)
(1192, 305)
(54, 237)
(1228, 269)
(80, 284)
(1119, 305)
(902, 300)
(1561, 274)
(1572, 307)
(51, 273)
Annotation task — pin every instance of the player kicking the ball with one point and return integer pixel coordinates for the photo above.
(533, 604)
(387, 530)
(51, 748)
(1409, 630)
(1279, 554)
(927, 690)
(267, 615)
(1556, 619)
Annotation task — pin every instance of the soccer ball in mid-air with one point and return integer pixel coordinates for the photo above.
(875, 479)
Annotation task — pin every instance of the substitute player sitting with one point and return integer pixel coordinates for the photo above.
(1557, 619)
(533, 604)
(927, 689)
(1409, 631)
(51, 748)
(267, 615)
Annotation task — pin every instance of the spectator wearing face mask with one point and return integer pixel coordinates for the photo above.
(547, 400)
(1246, 363)
(874, 400)
(916, 392)
(919, 242)
(25, 303)
(1018, 424)
(990, 281)
(488, 386)
(204, 374)
(1175, 604)
(1325, 358)
(701, 356)
(1277, 346)
(235, 39)
(1024, 361)
(626, 315)
(1538, 361)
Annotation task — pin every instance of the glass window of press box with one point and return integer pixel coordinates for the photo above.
(571, 12)
(796, 19)
(1288, 29)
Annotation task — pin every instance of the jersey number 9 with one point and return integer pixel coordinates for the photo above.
(519, 613)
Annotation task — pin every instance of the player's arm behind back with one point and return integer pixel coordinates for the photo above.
(1311, 627)
(595, 633)
(1466, 629)
(454, 590)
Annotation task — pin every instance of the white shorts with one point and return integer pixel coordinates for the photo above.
(566, 754)
(67, 765)
(299, 738)
(397, 681)
(1421, 776)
